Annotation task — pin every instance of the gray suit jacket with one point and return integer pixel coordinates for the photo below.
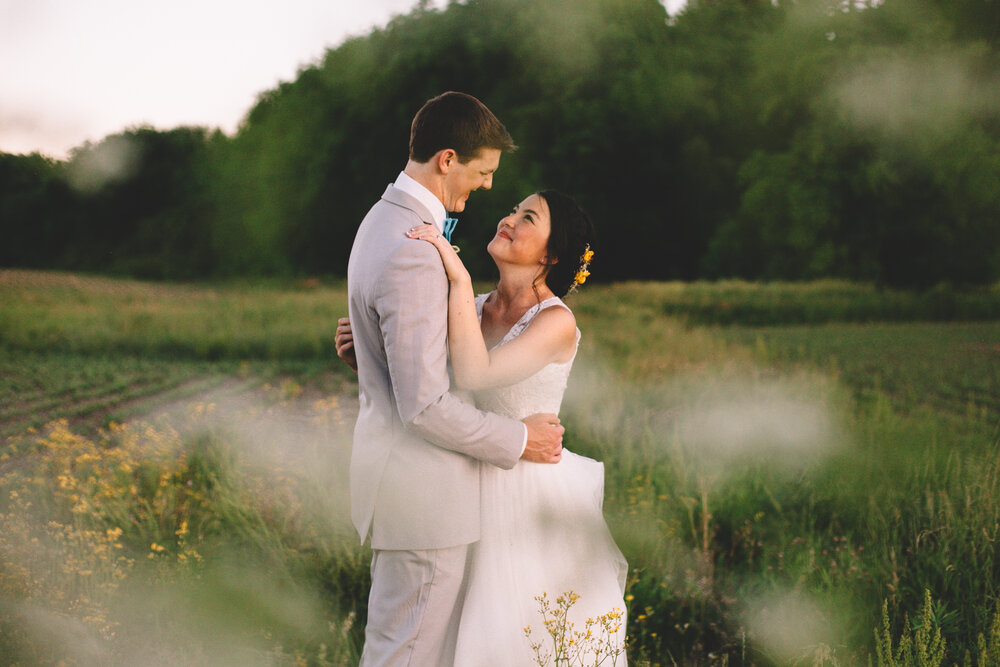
(417, 448)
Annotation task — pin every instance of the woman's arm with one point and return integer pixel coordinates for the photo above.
(550, 336)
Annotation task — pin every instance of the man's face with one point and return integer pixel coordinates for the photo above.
(462, 179)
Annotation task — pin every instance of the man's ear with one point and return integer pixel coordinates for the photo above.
(445, 158)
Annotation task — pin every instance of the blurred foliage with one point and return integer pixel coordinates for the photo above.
(854, 139)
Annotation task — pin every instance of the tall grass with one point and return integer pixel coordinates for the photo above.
(770, 500)
(879, 516)
(217, 534)
(731, 523)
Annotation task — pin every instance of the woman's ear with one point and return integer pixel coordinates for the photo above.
(548, 260)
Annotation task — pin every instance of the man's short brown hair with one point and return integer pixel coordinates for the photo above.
(457, 121)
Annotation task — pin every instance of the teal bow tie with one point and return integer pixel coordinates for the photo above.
(449, 227)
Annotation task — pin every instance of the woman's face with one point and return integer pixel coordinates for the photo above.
(522, 236)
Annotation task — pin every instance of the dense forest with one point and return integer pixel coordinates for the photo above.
(764, 139)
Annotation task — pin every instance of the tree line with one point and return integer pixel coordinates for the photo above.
(764, 139)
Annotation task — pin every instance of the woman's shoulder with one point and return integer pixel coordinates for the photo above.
(557, 323)
(555, 305)
(555, 315)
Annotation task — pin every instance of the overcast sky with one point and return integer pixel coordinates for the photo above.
(78, 70)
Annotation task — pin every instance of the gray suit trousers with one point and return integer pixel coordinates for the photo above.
(415, 606)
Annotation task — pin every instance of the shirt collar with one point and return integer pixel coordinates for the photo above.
(424, 196)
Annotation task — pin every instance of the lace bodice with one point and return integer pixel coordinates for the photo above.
(541, 392)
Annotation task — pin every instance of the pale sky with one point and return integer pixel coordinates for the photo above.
(79, 70)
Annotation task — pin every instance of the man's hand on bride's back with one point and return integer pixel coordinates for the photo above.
(544, 438)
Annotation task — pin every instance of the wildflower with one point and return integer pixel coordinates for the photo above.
(582, 273)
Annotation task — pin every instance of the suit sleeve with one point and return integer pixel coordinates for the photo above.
(412, 304)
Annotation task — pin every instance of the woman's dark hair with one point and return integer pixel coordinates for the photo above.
(457, 121)
(571, 233)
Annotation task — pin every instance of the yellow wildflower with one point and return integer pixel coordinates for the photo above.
(582, 273)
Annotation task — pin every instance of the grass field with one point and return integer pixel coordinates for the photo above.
(172, 478)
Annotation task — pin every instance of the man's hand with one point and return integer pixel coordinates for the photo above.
(544, 439)
(344, 341)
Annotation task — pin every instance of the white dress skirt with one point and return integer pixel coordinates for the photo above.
(543, 534)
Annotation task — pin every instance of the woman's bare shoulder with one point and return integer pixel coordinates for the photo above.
(557, 320)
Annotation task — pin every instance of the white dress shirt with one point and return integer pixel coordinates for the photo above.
(424, 196)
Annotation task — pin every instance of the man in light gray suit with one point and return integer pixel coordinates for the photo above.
(418, 448)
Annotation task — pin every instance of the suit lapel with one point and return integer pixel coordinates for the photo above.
(396, 196)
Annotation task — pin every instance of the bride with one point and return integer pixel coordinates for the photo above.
(543, 532)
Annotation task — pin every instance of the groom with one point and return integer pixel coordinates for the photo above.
(418, 448)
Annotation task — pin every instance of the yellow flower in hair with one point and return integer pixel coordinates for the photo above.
(581, 275)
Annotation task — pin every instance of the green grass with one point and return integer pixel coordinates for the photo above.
(254, 320)
(952, 367)
(901, 497)
(39, 387)
(92, 389)
(771, 484)
(760, 304)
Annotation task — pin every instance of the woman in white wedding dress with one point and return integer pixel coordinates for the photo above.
(543, 528)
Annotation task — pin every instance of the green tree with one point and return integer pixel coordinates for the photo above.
(37, 210)
(144, 196)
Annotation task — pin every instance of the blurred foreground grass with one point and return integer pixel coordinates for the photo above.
(771, 486)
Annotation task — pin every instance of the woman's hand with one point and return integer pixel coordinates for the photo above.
(344, 340)
(453, 266)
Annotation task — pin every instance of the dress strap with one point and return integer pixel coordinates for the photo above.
(552, 301)
(537, 308)
(530, 314)
(480, 300)
(525, 319)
